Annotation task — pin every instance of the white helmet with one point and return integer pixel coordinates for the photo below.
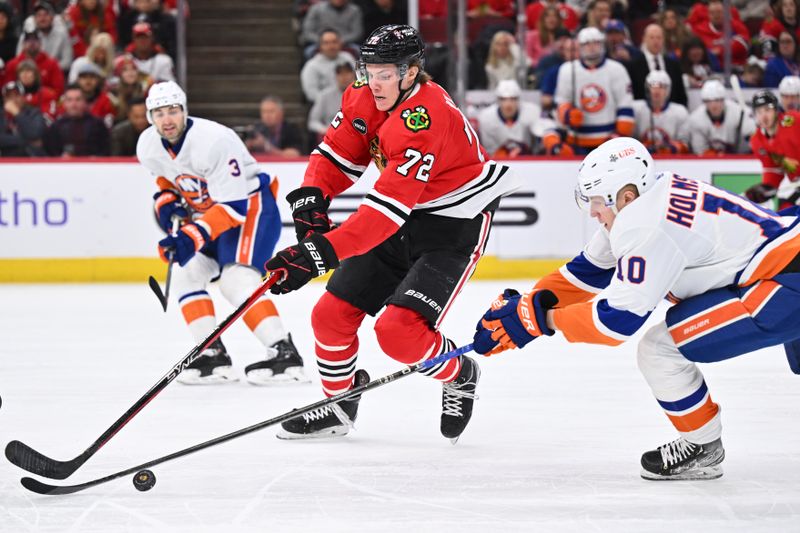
(659, 77)
(712, 90)
(789, 86)
(590, 35)
(610, 167)
(163, 94)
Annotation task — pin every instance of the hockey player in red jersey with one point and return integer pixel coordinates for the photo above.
(411, 245)
(777, 144)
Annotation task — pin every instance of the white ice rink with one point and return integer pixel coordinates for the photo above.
(553, 446)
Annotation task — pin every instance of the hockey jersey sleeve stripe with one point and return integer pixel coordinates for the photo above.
(568, 290)
(687, 402)
(349, 168)
(625, 112)
(471, 195)
(597, 128)
(579, 323)
(772, 258)
(587, 275)
(390, 209)
(618, 322)
(221, 217)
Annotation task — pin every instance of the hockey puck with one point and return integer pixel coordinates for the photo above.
(144, 480)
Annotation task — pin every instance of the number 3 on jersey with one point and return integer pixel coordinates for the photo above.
(414, 157)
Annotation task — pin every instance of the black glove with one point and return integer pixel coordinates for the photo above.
(309, 211)
(298, 264)
(760, 193)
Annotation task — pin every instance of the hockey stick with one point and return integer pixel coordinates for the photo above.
(25, 457)
(737, 92)
(163, 297)
(34, 485)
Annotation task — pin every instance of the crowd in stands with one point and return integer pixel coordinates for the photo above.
(75, 74)
(683, 39)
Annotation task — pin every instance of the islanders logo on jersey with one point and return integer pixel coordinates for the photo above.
(195, 191)
(416, 119)
(593, 98)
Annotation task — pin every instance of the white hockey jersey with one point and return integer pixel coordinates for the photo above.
(603, 94)
(210, 167)
(666, 130)
(679, 239)
(495, 132)
(724, 137)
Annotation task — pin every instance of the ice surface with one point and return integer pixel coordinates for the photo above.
(553, 446)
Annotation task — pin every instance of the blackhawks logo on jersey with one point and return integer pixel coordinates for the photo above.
(416, 119)
(787, 121)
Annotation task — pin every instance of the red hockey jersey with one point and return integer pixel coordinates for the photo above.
(429, 157)
(779, 154)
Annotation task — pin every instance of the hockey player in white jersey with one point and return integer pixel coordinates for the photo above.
(229, 224)
(593, 95)
(731, 268)
(661, 125)
(719, 126)
(789, 92)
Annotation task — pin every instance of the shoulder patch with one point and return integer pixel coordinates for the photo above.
(359, 84)
(360, 125)
(788, 120)
(416, 119)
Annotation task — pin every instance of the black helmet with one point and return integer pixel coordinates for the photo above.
(762, 98)
(394, 43)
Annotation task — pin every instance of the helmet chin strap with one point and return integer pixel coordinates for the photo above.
(402, 93)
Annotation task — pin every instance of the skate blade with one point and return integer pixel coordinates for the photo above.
(454, 440)
(708, 472)
(219, 376)
(339, 431)
(293, 375)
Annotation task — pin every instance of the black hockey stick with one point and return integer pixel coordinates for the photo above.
(163, 297)
(25, 457)
(34, 485)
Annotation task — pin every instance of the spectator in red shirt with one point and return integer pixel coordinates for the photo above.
(43, 98)
(49, 70)
(709, 29)
(86, 18)
(92, 84)
(490, 8)
(162, 23)
(569, 18)
(785, 18)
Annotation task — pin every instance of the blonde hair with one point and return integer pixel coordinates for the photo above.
(105, 42)
(495, 61)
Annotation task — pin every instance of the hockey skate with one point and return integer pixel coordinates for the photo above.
(681, 459)
(335, 420)
(283, 366)
(212, 367)
(457, 399)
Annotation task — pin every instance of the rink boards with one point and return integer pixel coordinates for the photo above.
(87, 220)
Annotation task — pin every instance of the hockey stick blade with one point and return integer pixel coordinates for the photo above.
(38, 487)
(25, 457)
(156, 288)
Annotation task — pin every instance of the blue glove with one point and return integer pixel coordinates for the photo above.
(514, 320)
(184, 244)
(167, 205)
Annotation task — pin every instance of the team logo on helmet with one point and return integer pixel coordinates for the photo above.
(416, 120)
(787, 121)
(359, 84)
(593, 98)
(195, 191)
